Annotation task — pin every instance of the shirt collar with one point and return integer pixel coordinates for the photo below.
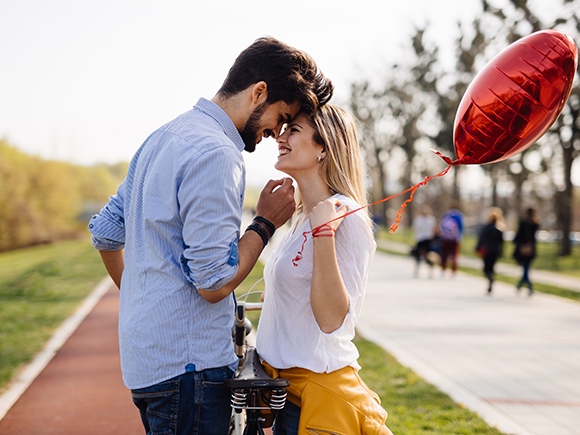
(216, 112)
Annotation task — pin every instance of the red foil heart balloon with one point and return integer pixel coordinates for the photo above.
(510, 104)
(515, 98)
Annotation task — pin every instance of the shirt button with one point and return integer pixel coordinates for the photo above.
(91, 226)
(183, 260)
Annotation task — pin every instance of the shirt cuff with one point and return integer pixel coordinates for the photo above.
(103, 244)
(216, 277)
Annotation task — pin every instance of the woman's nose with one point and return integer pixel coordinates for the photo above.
(281, 137)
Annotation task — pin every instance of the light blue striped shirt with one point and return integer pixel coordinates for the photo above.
(178, 215)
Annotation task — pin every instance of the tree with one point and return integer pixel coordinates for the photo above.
(447, 97)
(413, 105)
(41, 200)
(367, 108)
(514, 21)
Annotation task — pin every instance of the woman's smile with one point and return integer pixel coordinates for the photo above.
(282, 150)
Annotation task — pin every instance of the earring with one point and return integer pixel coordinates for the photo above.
(319, 159)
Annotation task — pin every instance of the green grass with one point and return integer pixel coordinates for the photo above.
(39, 288)
(547, 259)
(415, 407)
(253, 278)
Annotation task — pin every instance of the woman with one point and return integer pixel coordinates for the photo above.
(525, 250)
(315, 282)
(490, 243)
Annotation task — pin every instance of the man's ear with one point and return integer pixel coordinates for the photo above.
(259, 93)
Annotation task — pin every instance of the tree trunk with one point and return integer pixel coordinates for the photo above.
(456, 190)
(518, 201)
(379, 190)
(566, 203)
(491, 172)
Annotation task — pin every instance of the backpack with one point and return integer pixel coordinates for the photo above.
(449, 229)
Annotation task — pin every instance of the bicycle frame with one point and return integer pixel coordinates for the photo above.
(251, 384)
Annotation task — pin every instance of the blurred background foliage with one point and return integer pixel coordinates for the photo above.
(412, 107)
(403, 112)
(43, 201)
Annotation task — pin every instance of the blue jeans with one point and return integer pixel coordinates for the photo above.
(526, 276)
(287, 420)
(194, 403)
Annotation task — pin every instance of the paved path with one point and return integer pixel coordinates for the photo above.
(514, 360)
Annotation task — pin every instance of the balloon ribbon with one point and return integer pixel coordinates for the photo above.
(395, 225)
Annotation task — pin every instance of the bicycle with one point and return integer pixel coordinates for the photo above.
(252, 389)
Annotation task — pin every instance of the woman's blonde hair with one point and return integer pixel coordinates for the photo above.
(342, 169)
(495, 215)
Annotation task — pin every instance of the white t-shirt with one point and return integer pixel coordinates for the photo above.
(288, 334)
(424, 227)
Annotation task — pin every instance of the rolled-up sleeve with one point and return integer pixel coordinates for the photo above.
(210, 201)
(108, 227)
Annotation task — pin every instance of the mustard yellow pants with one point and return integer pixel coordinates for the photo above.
(333, 403)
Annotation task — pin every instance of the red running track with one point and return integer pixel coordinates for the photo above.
(80, 392)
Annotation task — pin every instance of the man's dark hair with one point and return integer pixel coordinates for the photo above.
(291, 75)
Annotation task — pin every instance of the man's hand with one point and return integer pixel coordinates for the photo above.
(276, 202)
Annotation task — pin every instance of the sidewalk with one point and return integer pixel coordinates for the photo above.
(515, 360)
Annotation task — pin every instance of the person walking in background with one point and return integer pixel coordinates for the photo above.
(170, 238)
(425, 228)
(450, 236)
(490, 243)
(525, 246)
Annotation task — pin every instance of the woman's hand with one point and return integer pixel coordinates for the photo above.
(328, 211)
(328, 297)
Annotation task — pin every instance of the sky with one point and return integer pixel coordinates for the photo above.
(87, 81)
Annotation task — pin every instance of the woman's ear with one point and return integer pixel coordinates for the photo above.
(259, 93)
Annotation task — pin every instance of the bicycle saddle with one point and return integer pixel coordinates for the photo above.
(253, 375)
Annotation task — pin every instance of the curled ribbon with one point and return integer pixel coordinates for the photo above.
(395, 225)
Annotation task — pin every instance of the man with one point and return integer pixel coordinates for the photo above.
(170, 237)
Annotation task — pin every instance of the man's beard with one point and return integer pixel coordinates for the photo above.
(250, 132)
